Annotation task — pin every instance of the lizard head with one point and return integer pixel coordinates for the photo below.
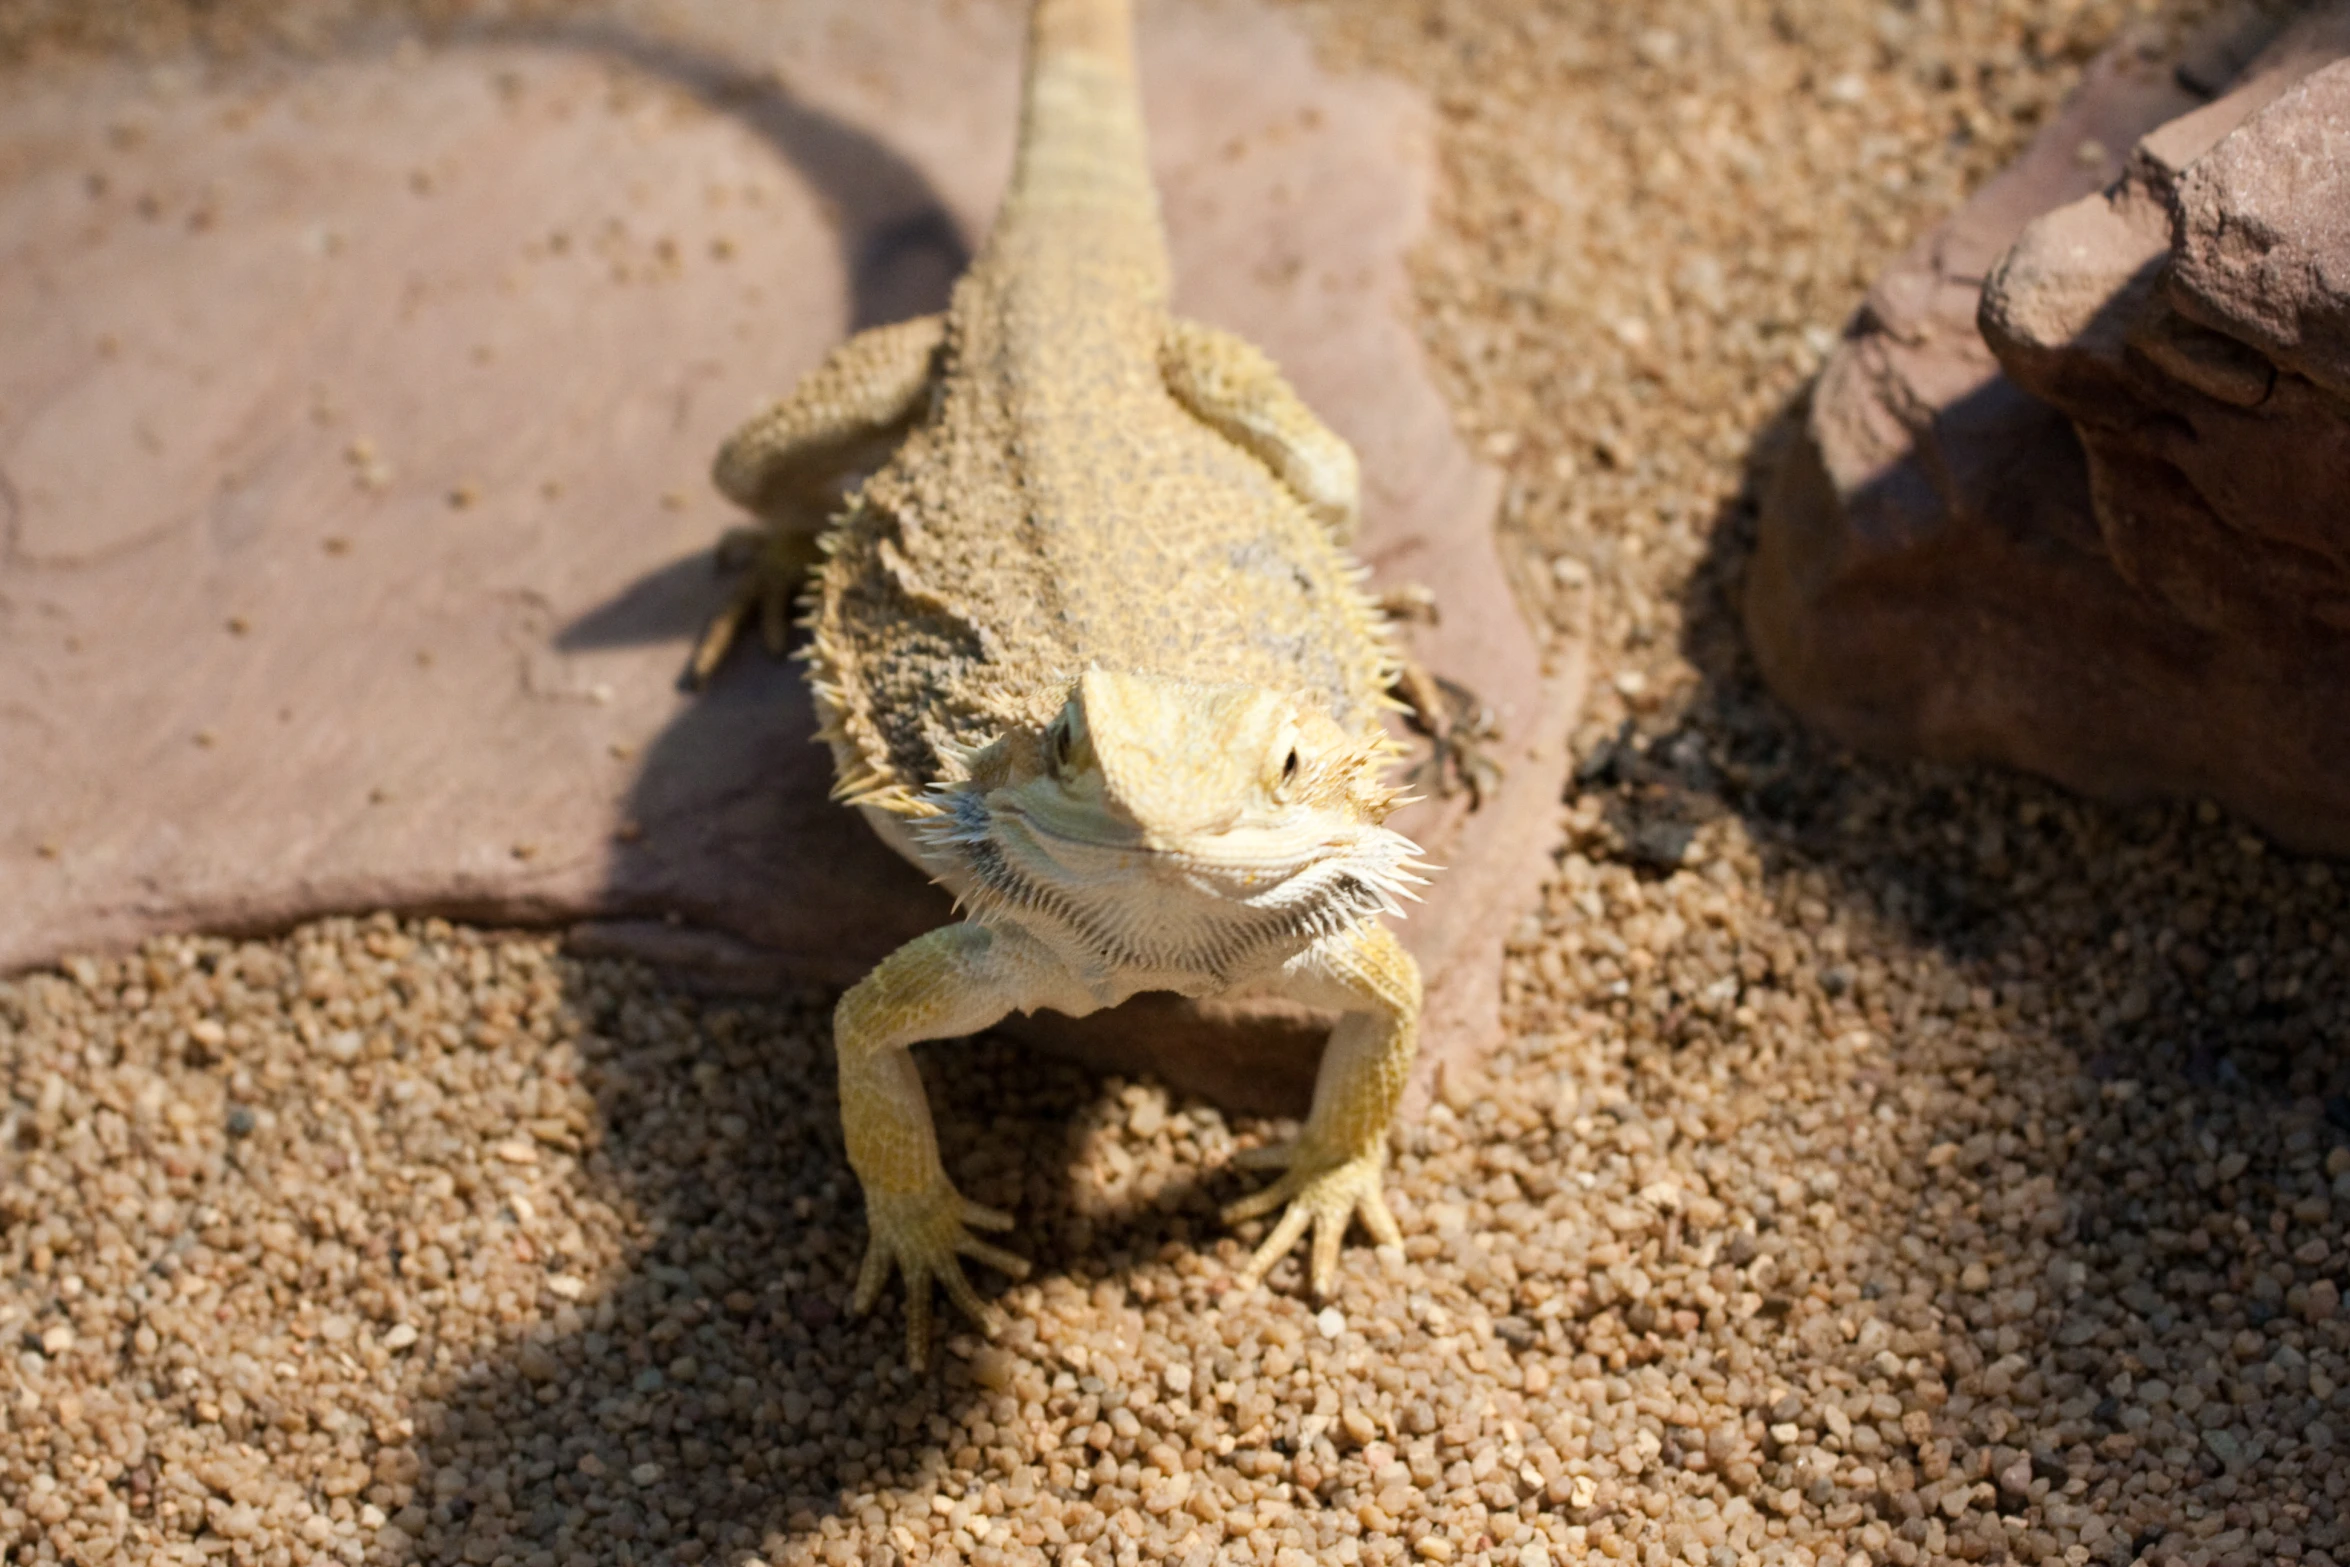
(1208, 795)
(1201, 771)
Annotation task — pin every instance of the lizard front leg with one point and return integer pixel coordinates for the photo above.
(1336, 1165)
(788, 462)
(1234, 388)
(954, 981)
(1461, 734)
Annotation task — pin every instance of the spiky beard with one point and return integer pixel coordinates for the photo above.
(1187, 915)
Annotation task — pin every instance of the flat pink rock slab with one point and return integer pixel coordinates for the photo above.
(353, 440)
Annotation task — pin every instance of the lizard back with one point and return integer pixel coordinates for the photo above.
(1055, 506)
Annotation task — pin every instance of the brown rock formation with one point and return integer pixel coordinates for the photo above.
(2113, 553)
(353, 437)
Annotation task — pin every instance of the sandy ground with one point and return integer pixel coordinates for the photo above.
(1888, 1164)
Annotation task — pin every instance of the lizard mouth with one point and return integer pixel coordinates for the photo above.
(1219, 915)
(1242, 860)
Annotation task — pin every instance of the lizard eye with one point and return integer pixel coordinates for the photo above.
(1060, 740)
(1289, 770)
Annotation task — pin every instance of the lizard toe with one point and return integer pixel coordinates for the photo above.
(1379, 1219)
(1004, 1262)
(1326, 1199)
(717, 638)
(1276, 1245)
(1322, 1262)
(923, 1236)
(1257, 1204)
(957, 1284)
(918, 1318)
(872, 1276)
(1270, 1156)
(775, 561)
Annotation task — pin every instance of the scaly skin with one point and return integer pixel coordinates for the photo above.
(1087, 646)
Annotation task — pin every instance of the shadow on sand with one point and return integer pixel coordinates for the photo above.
(711, 1400)
(2111, 1044)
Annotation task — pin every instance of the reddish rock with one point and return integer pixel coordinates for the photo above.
(2100, 538)
(2215, 479)
(2264, 233)
(353, 438)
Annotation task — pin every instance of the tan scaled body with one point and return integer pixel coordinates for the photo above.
(1088, 648)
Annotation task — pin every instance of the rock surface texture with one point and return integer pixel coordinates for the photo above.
(2071, 493)
(353, 442)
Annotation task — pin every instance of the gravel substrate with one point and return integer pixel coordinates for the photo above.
(1887, 1165)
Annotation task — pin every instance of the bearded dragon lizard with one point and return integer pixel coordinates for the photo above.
(1088, 647)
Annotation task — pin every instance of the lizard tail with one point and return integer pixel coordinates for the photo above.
(1081, 135)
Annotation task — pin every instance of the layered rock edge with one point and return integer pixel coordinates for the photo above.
(2068, 494)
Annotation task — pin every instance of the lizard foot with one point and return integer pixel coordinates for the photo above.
(1462, 735)
(924, 1236)
(1325, 1193)
(775, 562)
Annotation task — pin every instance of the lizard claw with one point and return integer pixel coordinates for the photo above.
(775, 562)
(1462, 734)
(1326, 1194)
(925, 1235)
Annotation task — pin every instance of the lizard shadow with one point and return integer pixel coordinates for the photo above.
(662, 605)
(901, 249)
(2126, 1114)
(711, 1399)
(901, 246)
(731, 823)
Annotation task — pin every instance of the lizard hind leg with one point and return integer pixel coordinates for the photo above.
(790, 463)
(1462, 735)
